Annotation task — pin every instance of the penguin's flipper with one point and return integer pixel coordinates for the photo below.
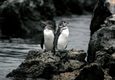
(42, 42)
(57, 34)
(54, 44)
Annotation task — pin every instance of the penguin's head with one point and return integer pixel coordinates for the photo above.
(48, 24)
(63, 24)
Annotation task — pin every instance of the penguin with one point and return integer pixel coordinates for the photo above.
(61, 36)
(48, 36)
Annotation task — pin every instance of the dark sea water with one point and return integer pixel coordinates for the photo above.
(12, 54)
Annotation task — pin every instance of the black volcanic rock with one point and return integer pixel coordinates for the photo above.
(39, 64)
(101, 48)
(102, 40)
(101, 12)
(67, 65)
(91, 72)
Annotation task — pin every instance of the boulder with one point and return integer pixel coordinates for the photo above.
(101, 48)
(46, 65)
(101, 12)
(91, 72)
(102, 40)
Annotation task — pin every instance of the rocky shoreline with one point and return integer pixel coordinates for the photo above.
(46, 65)
(71, 64)
(67, 65)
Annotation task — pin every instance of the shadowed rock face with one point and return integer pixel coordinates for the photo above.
(102, 40)
(102, 48)
(91, 72)
(101, 12)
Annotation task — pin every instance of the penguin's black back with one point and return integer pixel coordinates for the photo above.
(57, 34)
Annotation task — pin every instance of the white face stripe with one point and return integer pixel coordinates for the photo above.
(63, 24)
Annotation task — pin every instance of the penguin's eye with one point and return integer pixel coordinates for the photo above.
(43, 25)
(64, 22)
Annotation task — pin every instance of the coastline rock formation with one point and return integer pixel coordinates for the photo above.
(101, 12)
(71, 64)
(101, 50)
(67, 65)
(46, 65)
(102, 40)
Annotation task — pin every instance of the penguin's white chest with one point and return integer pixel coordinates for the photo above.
(63, 40)
(48, 39)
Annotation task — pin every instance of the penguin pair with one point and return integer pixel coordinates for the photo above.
(55, 40)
